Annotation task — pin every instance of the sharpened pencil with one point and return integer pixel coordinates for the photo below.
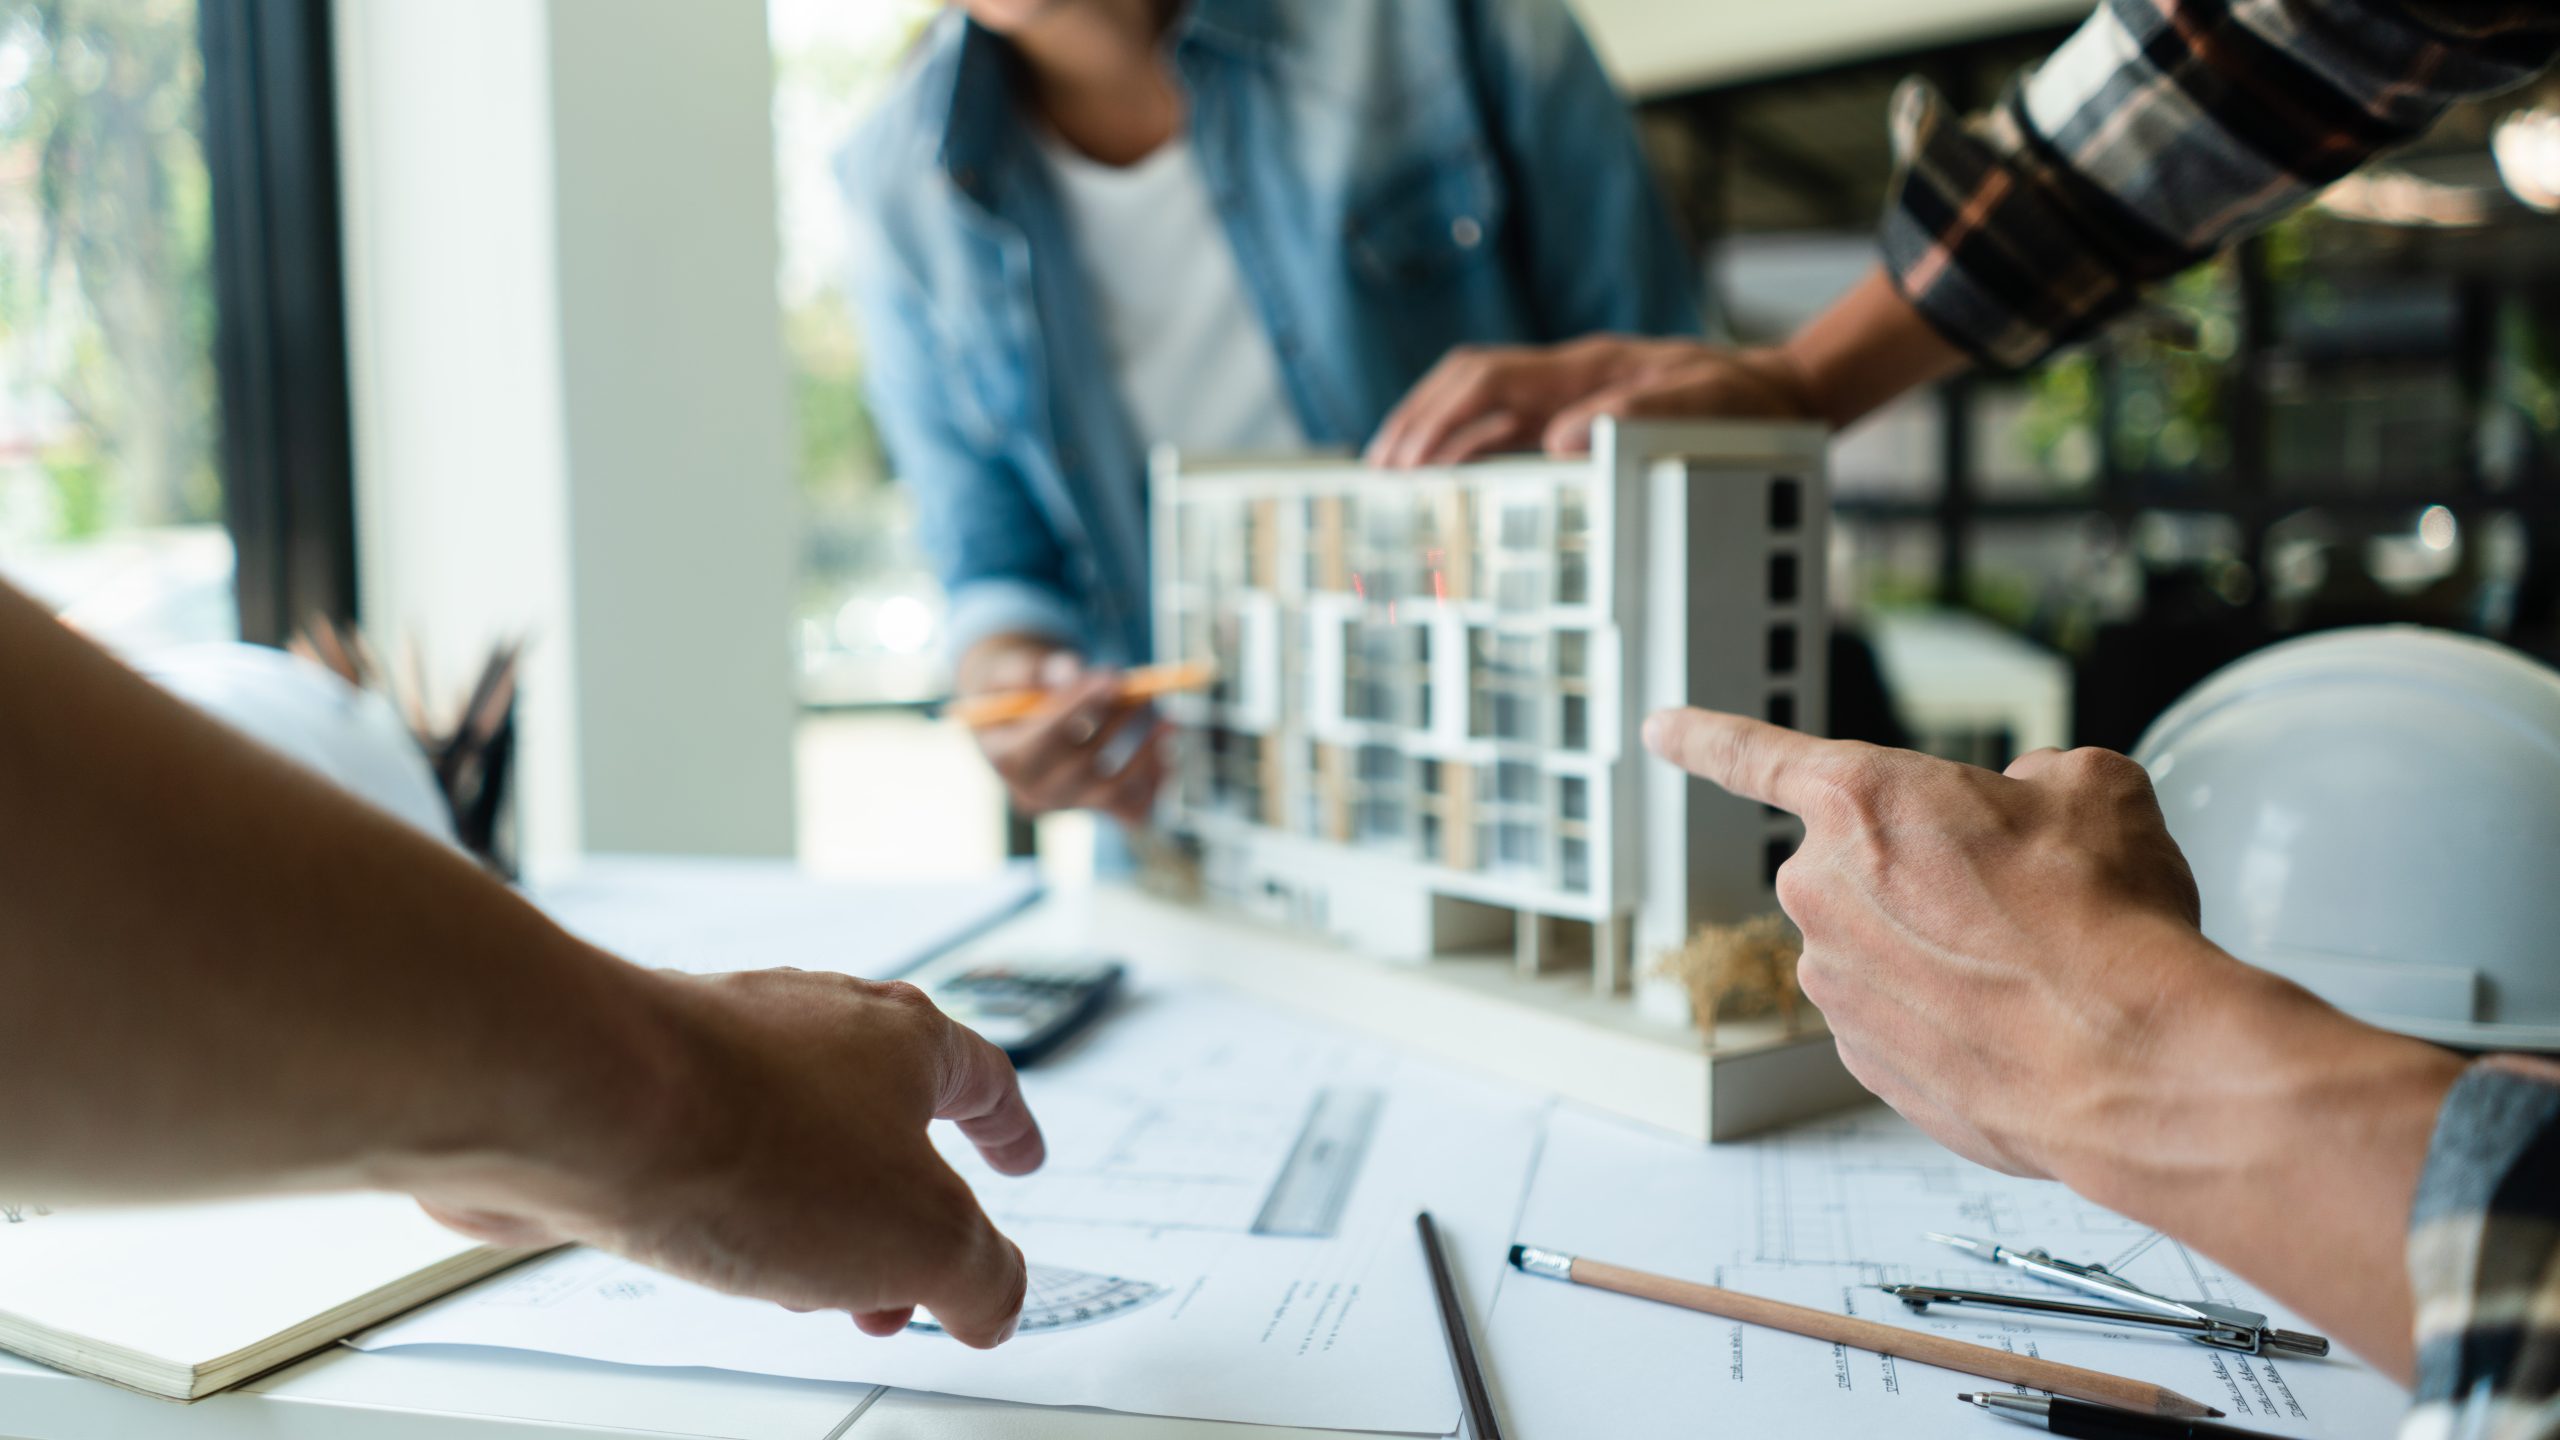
(1894, 1340)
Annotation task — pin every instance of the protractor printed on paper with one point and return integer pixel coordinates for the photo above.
(1062, 1299)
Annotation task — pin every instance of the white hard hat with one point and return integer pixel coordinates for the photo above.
(306, 713)
(2375, 813)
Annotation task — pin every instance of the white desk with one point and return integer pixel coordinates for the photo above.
(1665, 1361)
(485, 1395)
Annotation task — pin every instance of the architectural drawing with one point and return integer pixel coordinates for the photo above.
(1819, 1215)
(1424, 738)
(1160, 1282)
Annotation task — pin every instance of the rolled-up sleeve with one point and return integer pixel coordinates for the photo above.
(2484, 1259)
(2161, 131)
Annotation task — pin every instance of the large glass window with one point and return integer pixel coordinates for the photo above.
(110, 491)
(870, 615)
(884, 790)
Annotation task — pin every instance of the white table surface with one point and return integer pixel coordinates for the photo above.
(342, 1394)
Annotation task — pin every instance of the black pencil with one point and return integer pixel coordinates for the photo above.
(1462, 1348)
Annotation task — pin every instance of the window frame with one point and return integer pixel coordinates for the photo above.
(287, 446)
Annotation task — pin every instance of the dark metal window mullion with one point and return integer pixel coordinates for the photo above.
(288, 465)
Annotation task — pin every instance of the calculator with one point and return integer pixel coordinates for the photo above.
(1028, 1008)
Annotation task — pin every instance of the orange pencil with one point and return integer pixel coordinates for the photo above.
(1144, 683)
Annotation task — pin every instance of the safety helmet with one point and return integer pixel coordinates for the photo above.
(2375, 814)
(304, 712)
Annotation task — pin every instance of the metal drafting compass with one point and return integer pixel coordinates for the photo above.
(2224, 1327)
(1057, 1298)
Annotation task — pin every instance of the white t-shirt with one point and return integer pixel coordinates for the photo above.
(1194, 363)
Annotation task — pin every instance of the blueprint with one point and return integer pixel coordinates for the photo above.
(1229, 1198)
(1819, 1215)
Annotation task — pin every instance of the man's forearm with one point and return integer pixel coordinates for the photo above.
(2275, 1134)
(1868, 348)
(223, 974)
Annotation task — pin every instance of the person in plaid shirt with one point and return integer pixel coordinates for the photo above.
(2013, 960)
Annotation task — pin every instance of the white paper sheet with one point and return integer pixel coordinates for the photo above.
(1168, 1128)
(1818, 1215)
(707, 915)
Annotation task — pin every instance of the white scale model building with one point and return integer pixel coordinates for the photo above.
(1424, 741)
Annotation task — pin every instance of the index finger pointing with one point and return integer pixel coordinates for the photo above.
(1751, 758)
(981, 1094)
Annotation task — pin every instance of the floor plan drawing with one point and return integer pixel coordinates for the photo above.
(1841, 1191)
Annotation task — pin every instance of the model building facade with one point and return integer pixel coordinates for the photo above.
(1424, 737)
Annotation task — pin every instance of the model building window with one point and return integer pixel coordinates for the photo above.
(1572, 548)
(1514, 844)
(1521, 561)
(1573, 689)
(1235, 773)
(1382, 801)
(1512, 801)
(1194, 540)
(1425, 546)
(1223, 534)
(1192, 626)
(1262, 545)
(1387, 560)
(1418, 679)
(1507, 687)
(1573, 856)
(1385, 674)
(1573, 832)
(1521, 585)
(1226, 637)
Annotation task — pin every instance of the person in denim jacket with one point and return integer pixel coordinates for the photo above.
(1087, 227)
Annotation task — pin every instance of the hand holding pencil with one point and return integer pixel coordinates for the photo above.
(1064, 737)
(1147, 682)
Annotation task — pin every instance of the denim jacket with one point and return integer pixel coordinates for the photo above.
(1396, 176)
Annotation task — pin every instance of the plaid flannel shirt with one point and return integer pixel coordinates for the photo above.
(2484, 1259)
(2161, 131)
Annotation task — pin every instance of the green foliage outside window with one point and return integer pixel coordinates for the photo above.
(106, 304)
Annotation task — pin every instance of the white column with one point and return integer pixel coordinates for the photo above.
(571, 410)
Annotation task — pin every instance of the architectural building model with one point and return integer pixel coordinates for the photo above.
(1423, 742)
